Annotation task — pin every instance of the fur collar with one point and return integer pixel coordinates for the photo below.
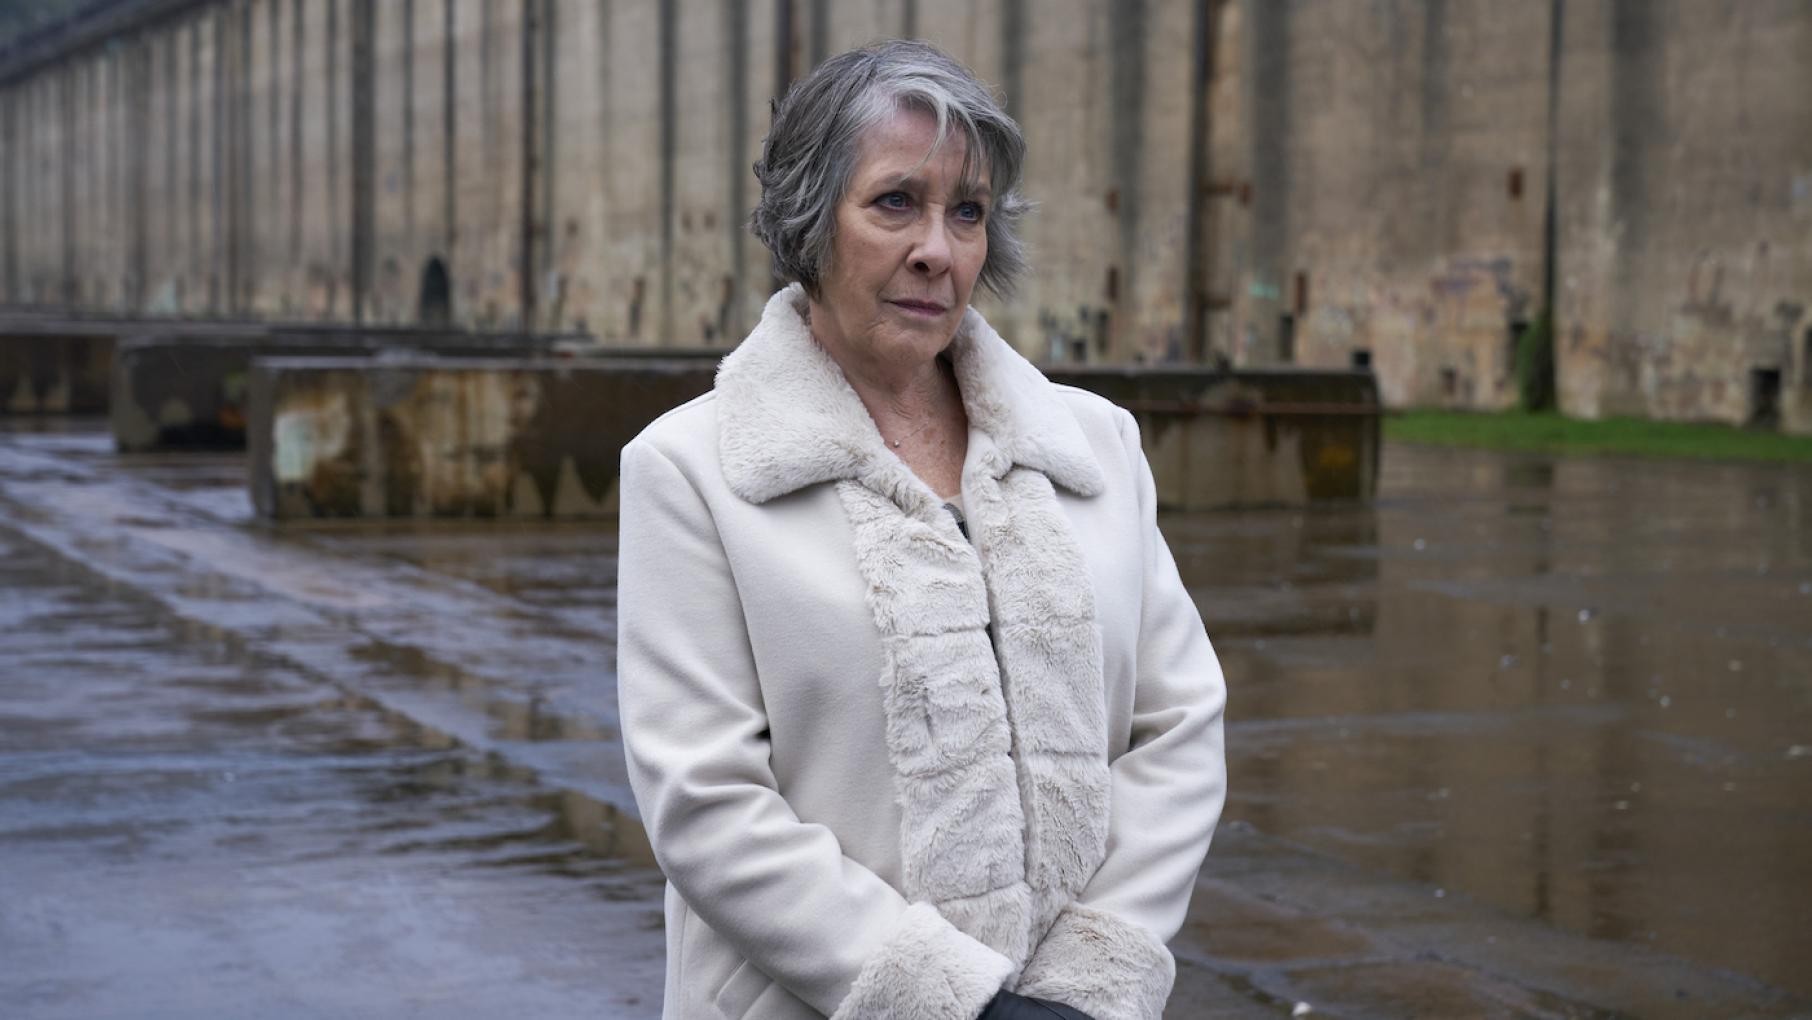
(789, 419)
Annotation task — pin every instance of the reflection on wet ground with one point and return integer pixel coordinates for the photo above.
(1578, 690)
(1528, 738)
(189, 828)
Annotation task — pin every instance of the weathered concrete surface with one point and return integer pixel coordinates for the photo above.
(1386, 761)
(1250, 438)
(185, 389)
(538, 439)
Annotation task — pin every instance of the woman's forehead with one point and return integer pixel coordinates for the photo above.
(904, 148)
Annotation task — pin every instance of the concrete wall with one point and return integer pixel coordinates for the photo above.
(1380, 177)
(572, 164)
(1686, 208)
(1256, 180)
(1368, 153)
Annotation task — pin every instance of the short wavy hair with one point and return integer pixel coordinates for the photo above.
(812, 149)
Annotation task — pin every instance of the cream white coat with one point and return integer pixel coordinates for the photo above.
(888, 771)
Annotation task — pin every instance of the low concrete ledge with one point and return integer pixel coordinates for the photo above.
(187, 389)
(55, 371)
(59, 364)
(433, 437)
(1222, 438)
(540, 438)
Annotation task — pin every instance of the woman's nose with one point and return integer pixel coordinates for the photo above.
(931, 253)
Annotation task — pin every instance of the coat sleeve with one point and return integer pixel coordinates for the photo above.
(695, 732)
(1105, 953)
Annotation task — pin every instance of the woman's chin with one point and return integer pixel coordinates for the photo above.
(917, 345)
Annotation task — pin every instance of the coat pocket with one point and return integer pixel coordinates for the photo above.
(739, 993)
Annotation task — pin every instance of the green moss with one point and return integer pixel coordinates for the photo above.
(1535, 364)
(1552, 433)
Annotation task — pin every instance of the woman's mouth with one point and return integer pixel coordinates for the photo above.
(928, 309)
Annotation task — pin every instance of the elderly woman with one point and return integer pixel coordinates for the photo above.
(918, 713)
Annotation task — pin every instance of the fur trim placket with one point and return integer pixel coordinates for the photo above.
(962, 824)
(1049, 651)
(998, 746)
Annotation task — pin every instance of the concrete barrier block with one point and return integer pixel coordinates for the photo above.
(54, 370)
(356, 437)
(186, 390)
(55, 374)
(492, 438)
(1248, 438)
(58, 364)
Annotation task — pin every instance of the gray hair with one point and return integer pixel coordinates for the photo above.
(812, 149)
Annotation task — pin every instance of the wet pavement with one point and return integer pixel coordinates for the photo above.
(1579, 691)
(1526, 738)
(189, 828)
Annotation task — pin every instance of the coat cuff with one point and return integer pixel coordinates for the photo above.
(927, 970)
(1106, 967)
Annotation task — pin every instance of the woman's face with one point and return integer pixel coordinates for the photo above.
(910, 241)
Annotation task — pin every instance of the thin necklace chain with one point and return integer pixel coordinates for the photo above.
(895, 443)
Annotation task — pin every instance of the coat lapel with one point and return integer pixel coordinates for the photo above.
(992, 686)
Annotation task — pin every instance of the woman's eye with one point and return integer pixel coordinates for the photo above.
(894, 200)
(970, 212)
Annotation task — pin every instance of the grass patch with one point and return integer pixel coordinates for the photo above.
(1547, 432)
